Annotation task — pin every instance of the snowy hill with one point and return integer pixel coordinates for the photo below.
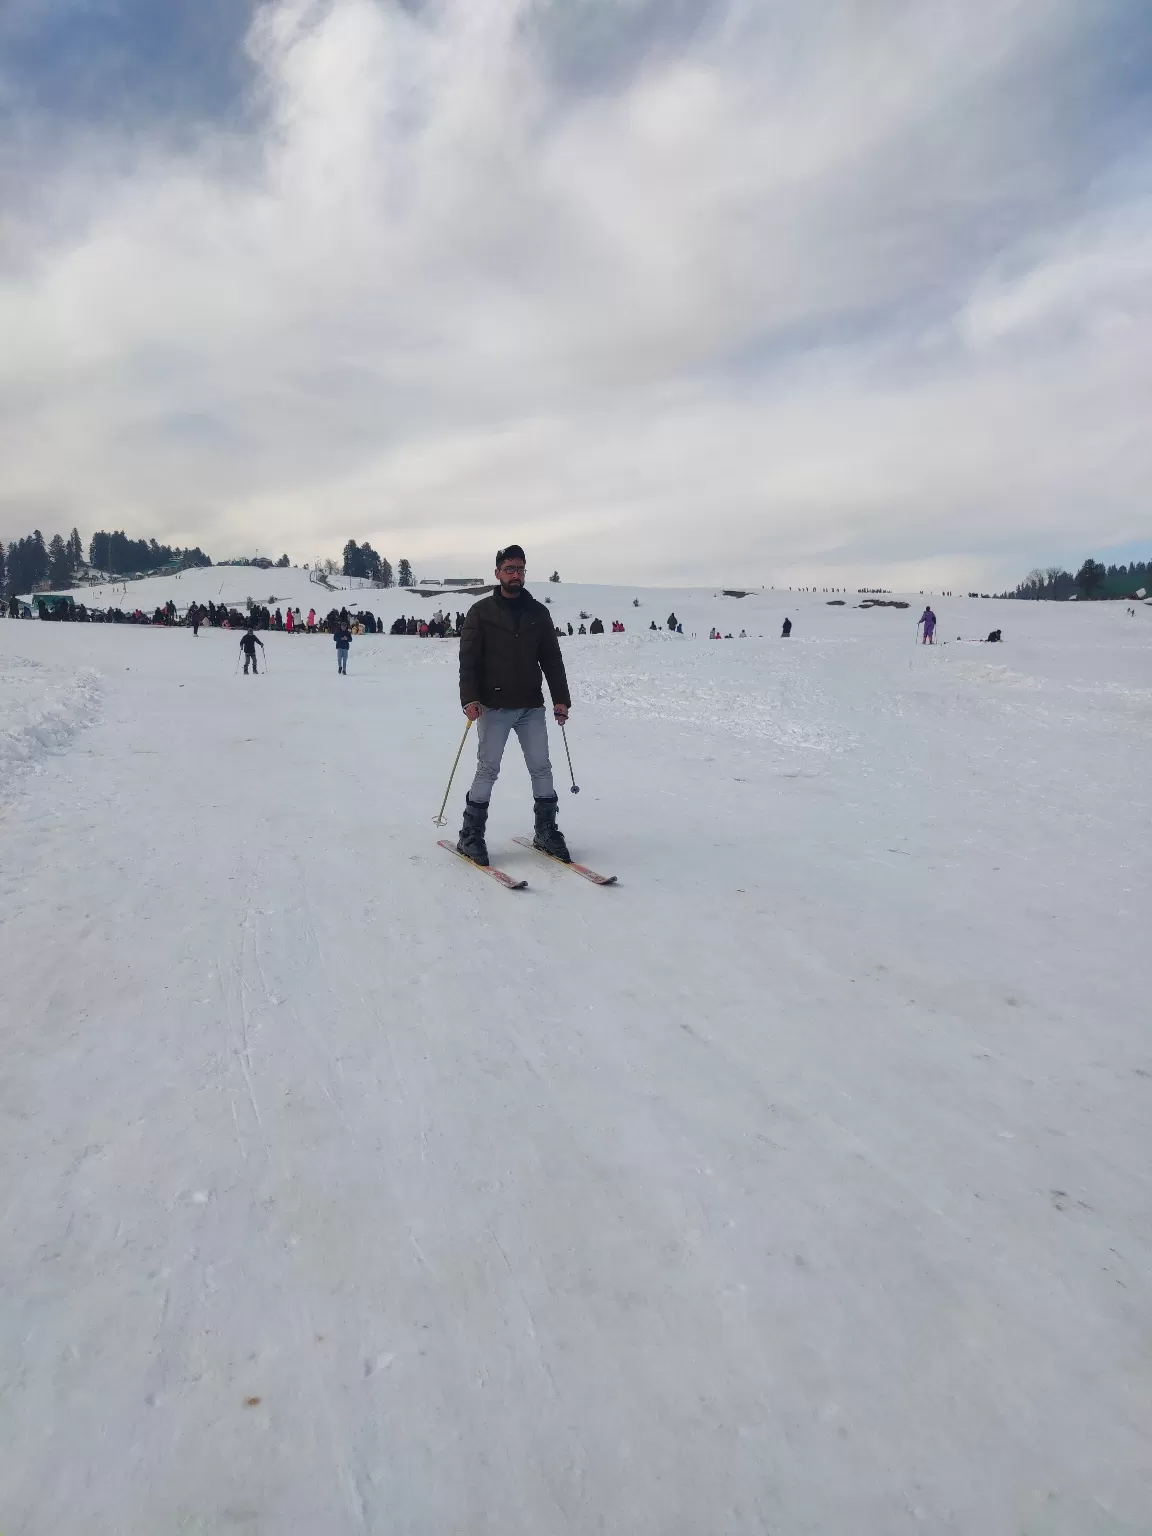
(798, 1182)
(700, 608)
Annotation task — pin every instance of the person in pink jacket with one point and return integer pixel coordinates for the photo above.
(311, 620)
(289, 623)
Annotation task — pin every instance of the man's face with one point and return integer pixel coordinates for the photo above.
(511, 575)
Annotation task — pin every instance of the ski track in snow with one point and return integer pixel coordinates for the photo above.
(799, 1183)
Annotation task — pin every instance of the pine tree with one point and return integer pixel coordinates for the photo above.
(3, 573)
(26, 565)
(75, 549)
(555, 576)
(353, 561)
(38, 558)
(404, 578)
(386, 577)
(283, 562)
(59, 563)
(1091, 577)
(370, 562)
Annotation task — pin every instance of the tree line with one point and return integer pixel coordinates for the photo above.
(117, 554)
(29, 563)
(363, 561)
(1092, 581)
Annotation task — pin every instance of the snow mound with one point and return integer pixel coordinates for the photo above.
(41, 709)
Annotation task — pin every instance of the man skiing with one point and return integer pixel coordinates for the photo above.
(928, 620)
(507, 641)
(248, 644)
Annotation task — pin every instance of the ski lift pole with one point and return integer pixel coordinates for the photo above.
(440, 818)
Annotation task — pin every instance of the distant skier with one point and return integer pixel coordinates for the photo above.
(248, 644)
(928, 621)
(289, 622)
(195, 616)
(787, 629)
(673, 621)
(506, 643)
(342, 635)
(993, 637)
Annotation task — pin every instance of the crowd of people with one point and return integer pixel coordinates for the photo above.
(61, 610)
(441, 626)
(289, 621)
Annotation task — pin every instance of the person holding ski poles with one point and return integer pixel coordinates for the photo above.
(248, 644)
(343, 638)
(507, 641)
(928, 620)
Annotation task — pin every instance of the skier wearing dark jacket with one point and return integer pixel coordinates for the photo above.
(507, 641)
(248, 644)
(343, 638)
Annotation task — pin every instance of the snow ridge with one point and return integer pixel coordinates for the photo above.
(41, 709)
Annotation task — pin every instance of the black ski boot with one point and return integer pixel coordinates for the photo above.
(471, 843)
(549, 838)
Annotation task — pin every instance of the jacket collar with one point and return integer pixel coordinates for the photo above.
(501, 604)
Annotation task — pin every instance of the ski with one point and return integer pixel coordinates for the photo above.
(577, 869)
(485, 869)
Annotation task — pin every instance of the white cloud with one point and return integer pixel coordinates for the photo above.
(814, 291)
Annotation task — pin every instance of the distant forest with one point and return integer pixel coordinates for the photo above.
(122, 556)
(1091, 581)
(30, 563)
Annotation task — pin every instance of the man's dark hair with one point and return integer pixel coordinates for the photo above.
(513, 552)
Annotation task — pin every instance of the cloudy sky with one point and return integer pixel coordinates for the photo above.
(748, 290)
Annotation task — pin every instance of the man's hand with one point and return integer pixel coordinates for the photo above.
(473, 710)
(561, 713)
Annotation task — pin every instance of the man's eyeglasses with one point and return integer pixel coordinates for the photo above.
(513, 570)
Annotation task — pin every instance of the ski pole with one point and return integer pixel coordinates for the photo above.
(575, 786)
(236, 668)
(440, 817)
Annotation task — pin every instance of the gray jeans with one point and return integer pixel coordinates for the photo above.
(492, 732)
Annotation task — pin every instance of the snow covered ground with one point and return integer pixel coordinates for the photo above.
(798, 1184)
